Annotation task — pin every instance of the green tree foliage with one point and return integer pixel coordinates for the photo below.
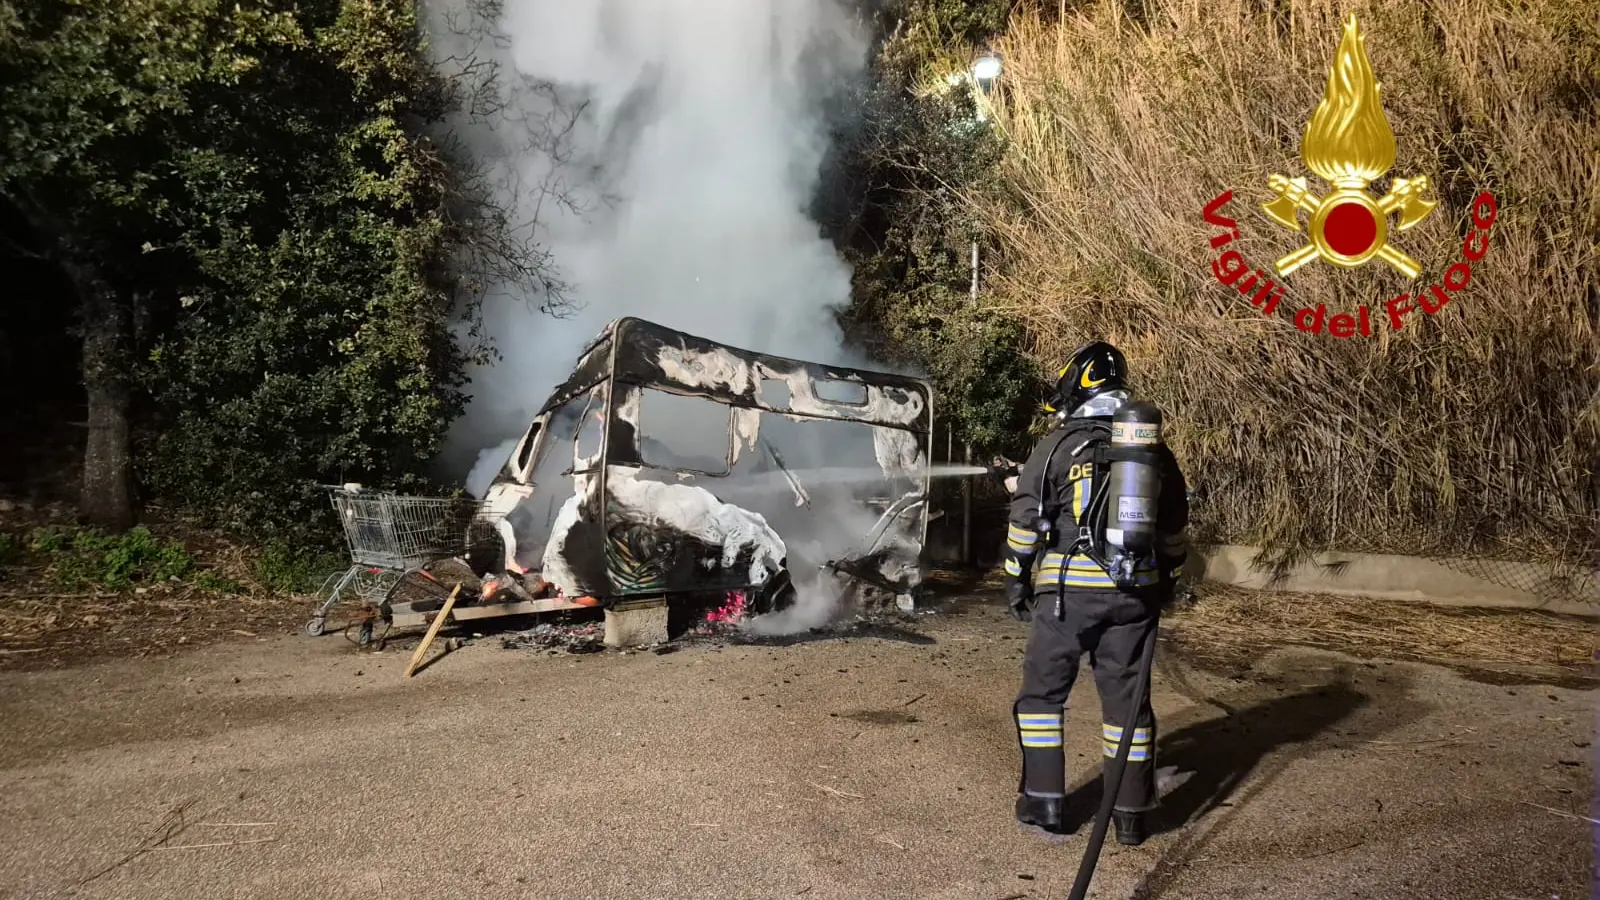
(249, 178)
(906, 160)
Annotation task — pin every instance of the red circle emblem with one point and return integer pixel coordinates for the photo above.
(1350, 229)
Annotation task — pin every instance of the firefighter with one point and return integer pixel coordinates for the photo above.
(1056, 580)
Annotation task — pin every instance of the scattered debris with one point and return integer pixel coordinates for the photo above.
(883, 623)
(835, 791)
(237, 824)
(217, 844)
(1332, 850)
(1563, 813)
(584, 638)
(171, 825)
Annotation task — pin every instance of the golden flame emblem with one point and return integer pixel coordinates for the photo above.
(1349, 144)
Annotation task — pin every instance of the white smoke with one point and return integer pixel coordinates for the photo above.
(813, 608)
(664, 153)
(488, 466)
(679, 194)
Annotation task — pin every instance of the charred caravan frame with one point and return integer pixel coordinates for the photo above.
(595, 502)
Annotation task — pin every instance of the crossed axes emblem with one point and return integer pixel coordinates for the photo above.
(1360, 225)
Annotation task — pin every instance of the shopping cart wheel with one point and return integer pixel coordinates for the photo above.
(316, 626)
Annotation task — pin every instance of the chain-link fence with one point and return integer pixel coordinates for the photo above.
(1567, 582)
(969, 511)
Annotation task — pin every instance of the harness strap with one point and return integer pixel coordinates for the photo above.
(1046, 514)
(1084, 540)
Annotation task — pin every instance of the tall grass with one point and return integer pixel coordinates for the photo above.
(1473, 430)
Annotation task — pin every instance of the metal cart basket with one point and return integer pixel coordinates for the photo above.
(388, 535)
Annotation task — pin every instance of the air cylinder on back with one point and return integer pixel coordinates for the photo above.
(1135, 478)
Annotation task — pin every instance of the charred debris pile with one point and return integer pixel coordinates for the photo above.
(581, 633)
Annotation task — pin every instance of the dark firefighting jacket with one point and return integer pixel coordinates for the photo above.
(1067, 488)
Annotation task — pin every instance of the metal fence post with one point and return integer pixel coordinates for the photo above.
(966, 513)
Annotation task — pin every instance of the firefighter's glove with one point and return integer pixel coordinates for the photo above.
(1019, 597)
(1002, 469)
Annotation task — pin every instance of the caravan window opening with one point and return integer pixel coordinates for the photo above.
(840, 392)
(919, 426)
(684, 433)
(552, 458)
(775, 393)
(587, 441)
(525, 457)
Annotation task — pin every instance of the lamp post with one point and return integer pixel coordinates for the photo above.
(985, 72)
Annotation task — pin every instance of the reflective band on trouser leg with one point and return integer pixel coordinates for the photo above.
(1044, 763)
(1013, 568)
(1039, 730)
(1138, 751)
(1138, 790)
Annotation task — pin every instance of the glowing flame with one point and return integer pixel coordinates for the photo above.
(730, 611)
(1349, 142)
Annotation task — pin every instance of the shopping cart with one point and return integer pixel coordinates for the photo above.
(389, 535)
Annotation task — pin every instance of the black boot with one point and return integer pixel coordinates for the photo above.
(1046, 813)
(1131, 829)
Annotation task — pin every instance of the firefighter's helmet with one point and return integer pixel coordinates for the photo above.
(1091, 370)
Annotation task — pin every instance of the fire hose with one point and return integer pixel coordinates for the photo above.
(1113, 776)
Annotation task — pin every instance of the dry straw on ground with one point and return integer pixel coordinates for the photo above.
(1228, 618)
(1475, 428)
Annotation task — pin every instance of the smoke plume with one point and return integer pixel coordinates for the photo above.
(664, 154)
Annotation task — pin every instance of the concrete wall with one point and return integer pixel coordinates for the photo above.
(1395, 578)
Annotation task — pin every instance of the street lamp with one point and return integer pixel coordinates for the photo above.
(986, 70)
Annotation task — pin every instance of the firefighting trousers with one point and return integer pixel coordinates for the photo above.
(1111, 627)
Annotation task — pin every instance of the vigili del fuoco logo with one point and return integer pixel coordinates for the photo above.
(1349, 144)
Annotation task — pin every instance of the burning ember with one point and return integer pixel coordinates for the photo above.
(729, 612)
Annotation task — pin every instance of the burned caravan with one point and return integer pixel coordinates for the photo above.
(671, 466)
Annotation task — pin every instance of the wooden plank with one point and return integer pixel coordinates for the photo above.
(433, 630)
(491, 611)
(520, 608)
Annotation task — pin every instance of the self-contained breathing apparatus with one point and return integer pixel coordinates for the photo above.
(1126, 479)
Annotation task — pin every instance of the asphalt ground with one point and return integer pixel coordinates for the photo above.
(880, 765)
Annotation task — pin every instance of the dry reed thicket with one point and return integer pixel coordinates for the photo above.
(1476, 429)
